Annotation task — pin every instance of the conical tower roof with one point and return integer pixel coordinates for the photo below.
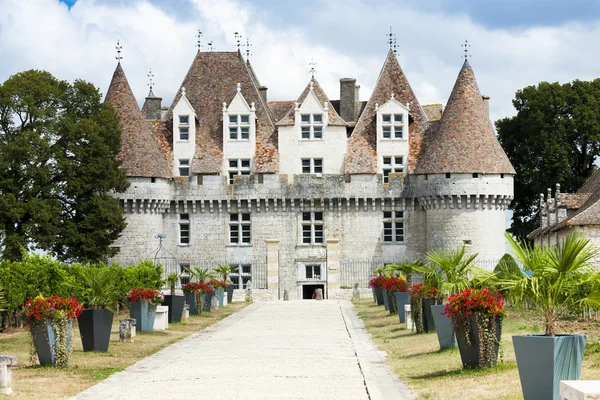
(464, 140)
(334, 117)
(143, 151)
(361, 156)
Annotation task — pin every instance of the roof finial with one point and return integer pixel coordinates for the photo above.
(210, 46)
(312, 70)
(392, 95)
(199, 40)
(150, 81)
(311, 85)
(392, 40)
(466, 49)
(248, 45)
(239, 87)
(119, 57)
(238, 41)
(182, 91)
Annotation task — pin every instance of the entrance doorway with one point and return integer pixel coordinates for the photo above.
(309, 290)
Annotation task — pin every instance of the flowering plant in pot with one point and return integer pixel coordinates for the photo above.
(556, 280)
(143, 302)
(393, 285)
(421, 296)
(173, 301)
(476, 320)
(51, 322)
(223, 272)
(204, 275)
(376, 284)
(194, 295)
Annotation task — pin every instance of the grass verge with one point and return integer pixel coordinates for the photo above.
(35, 382)
(435, 374)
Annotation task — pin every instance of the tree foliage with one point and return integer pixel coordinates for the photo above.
(58, 153)
(554, 138)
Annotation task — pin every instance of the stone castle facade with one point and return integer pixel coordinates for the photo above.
(299, 191)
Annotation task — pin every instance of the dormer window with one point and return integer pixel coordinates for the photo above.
(184, 127)
(239, 127)
(184, 167)
(311, 126)
(391, 165)
(392, 126)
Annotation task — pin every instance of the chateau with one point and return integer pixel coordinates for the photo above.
(298, 192)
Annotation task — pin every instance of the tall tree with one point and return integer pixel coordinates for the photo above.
(554, 138)
(58, 149)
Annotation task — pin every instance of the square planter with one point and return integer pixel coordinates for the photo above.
(44, 340)
(374, 296)
(220, 293)
(144, 313)
(207, 301)
(428, 322)
(443, 327)
(386, 299)
(175, 304)
(544, 361)
(391, 302)
(190, 300)
(94, 327)
(470, 350)
(401, 301)
(230, 293)
(378, 295)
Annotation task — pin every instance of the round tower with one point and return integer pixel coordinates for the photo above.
(463, 180)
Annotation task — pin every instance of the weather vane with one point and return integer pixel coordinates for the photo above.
(238, 41)
(199, 40)
(466, 49)
(210, 46)
(392, 40)
(312, 70)
(119, 47)
(150, 82)
(248, 45)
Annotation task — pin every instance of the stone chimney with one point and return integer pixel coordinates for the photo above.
(348, 94)
(543, 212)
(551, 209)
(263, 93)
(561, 209)
(152, 106)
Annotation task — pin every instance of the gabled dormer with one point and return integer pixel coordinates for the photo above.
(311, 117)
(392, 120)
(184, 136)
(239, 136)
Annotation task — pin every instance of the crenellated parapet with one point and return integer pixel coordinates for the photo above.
(475, 202)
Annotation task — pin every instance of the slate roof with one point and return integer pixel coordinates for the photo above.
(143, 150)
(211, 81)
(361, 155)
(464, 140)
(279, 109)
(574, 201)
(433, 111)
(334, 117)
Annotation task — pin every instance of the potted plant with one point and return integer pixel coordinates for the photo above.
(174, 302)
(97, 287)
(394, 285)
(450, 271)
(421, 297)
(376, 283)
(194, 295)
(217, 288)
(477, 322)
(224, 271)
(202, 275)
(143, 302)
(551, 280)
(51, 322)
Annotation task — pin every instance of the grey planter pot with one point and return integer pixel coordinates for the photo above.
(207, 301)
(374, 296)
(190, 300)
(386, 299)
(469, 350)
(443, 327)
(428, 322)
(391, 302)
(230, 293)
(94, 327)
(44, 340)
(144, 314)
(220, 293)
(175, 304)
(544, 361)
(401, 301)
(378, 295)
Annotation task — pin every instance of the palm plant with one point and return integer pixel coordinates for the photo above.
(551, 276)
(450, 271)
(200, 274)
(97, 286)
(172, 280)
(224, 271)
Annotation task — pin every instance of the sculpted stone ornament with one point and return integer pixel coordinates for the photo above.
(319, 295)
(286, 295)
(249, 292)
(355, 293)
(6, 364)
(127, 329)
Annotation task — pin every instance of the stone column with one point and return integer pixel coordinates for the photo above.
(333, 265)
(6, 364)
(273, 267)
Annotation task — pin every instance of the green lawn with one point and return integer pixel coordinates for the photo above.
(435, 374)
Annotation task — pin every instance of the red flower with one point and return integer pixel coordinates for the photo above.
(377, 281)
(195, 287)
(145, 294)
(485, 301)
(53, 307)
(394, 284)
(423, 290)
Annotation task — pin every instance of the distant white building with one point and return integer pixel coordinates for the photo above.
(301, 193)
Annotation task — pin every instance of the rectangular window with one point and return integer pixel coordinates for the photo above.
(393, 226)
(239, 127)
(184, 133)
(184, 229)
(312, 228)
(392, 123)
(238, 166)
(242, 276)
(184, 167)
(184, 120)
(239, 228)
(311, 126)
(312, 165)
(392, 164)
(313, 272)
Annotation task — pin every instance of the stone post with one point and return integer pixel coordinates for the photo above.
(333, 265)
(6, 364)
(273, 267)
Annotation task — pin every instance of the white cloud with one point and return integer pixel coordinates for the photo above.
(346, 39)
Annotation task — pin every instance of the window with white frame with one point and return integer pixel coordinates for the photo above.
(239, 127)
(241, 277)
(313, 271)
(184, 167)
(184, 229)
(392, 126)
(312, 165)
(184, 127)
(238, 166)
(240, 228)
(311, 126)
(312, 227)
(392, 164)
(393, 226)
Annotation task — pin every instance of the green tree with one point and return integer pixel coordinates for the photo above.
(58, 151)
(554, 138)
